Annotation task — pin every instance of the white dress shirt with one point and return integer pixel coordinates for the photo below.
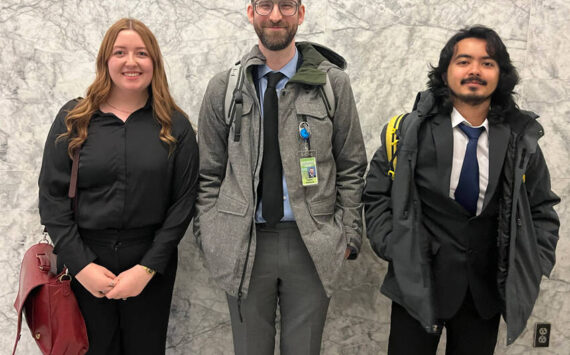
(460, 141)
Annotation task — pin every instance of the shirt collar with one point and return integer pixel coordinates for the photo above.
(147, 106)
(457, 118)
(288, 69)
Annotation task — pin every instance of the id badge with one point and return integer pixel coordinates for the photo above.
(309, 173)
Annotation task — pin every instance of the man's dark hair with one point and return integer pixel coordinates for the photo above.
(502, 100)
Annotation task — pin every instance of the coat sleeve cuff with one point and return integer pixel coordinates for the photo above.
(79, 260)
(158, 260)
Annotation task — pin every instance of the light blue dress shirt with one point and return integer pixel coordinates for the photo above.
(288, 71)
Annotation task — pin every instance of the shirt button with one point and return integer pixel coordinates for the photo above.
(284, 198)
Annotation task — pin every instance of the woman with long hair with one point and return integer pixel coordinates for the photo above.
(136, 188)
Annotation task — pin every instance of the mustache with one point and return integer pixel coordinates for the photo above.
(275, 24)
(473, 79)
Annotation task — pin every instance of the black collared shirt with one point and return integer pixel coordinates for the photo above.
(126, 180)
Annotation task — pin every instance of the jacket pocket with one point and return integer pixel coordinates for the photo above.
(313, 111)
(311, 105)
(230, 205)
(323, 207)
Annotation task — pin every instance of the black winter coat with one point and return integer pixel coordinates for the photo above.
(528, 224)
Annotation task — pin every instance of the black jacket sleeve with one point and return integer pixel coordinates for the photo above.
(377, 202)
(183, 196)
(544, 218)
(55, 206)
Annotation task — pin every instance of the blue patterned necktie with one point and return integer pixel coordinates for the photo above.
(467, 191)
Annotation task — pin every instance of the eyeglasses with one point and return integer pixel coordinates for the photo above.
(265, 7)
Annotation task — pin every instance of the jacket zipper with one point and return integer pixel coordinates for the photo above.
(405, 213)
(521, 163)
(523, 155)
(514, 210)
(240, 294)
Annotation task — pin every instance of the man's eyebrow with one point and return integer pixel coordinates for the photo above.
(471, 57)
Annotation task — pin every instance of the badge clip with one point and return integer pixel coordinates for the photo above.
(304, 130)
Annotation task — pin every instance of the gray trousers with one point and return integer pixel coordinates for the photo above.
(283, 274)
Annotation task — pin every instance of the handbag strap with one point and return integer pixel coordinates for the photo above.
(72, 192)
(18, 332)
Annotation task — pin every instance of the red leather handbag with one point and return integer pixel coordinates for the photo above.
(49, 305)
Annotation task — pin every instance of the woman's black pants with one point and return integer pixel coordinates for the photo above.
(136, 325)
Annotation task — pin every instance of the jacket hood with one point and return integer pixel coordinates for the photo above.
(425, 103)
(313, 55)
(526, 122)
(322, 53)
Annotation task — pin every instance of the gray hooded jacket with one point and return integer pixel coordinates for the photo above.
(328, 215)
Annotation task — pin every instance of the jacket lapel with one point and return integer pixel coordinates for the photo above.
(443, 140)
(498, 141)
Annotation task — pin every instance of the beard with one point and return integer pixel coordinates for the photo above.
(277, 41)
(470, 99)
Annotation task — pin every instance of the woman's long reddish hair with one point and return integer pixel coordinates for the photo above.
(77, 120)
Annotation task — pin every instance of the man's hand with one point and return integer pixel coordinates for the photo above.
(130, 283)
(96, 279)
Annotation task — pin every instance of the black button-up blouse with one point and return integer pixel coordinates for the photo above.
(126, 180)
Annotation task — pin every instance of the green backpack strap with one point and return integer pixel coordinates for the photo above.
(392, 138)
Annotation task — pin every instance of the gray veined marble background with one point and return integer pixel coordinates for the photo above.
(48, 54)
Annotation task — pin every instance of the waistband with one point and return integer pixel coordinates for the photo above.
(108, 235)
(280, 225)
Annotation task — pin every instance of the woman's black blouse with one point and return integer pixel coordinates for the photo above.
(126, 180)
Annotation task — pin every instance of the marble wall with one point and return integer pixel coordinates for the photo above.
(48, 54)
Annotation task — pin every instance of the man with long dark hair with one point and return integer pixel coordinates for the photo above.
(466, 221)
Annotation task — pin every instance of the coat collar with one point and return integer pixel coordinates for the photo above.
(310, 72)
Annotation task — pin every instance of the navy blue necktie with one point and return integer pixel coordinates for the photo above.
(271, 169)
(467, 191)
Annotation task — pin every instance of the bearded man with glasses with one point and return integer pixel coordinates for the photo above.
(279, 203)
